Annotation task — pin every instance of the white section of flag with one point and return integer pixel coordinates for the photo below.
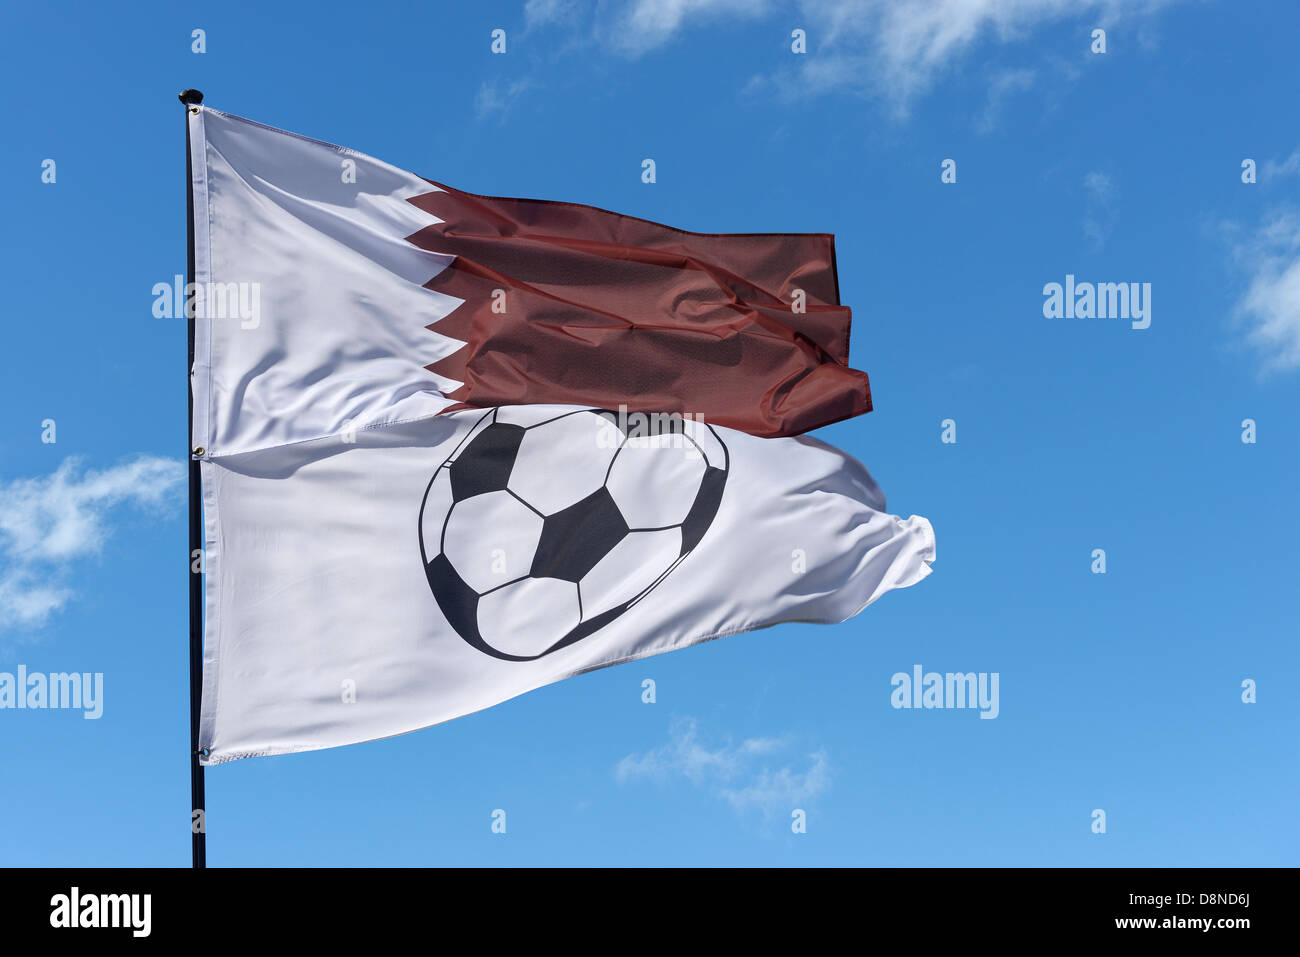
(340, 339)
(316, 583)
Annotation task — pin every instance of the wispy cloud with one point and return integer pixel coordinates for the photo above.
(898, 48)
(542, 12)
(1270, 307)
(892, 50)
(635, 27)
(748, 776)
(643, 25)
(1001, 88)
(49, 524)
(498, 97)
(1276, 169)
(1099, 214)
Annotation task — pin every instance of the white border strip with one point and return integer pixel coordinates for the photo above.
(201, 373)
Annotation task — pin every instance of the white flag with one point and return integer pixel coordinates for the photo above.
(379, 558)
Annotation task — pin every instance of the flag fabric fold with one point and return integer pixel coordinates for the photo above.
(454, 447)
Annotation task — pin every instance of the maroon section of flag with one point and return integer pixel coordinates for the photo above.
(570, 304)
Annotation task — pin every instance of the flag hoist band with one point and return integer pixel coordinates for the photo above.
(454, 447)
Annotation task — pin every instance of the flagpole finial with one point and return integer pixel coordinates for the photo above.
(190, 97)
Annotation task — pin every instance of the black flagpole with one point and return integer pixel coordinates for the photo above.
(198, 814)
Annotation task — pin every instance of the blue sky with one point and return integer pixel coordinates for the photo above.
(1120, 692)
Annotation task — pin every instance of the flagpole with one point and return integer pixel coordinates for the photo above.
(198, 831)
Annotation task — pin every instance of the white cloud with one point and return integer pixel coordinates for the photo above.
(1003, 85)
(539, 12)
(1287, 167)
(635, 27)
(47, 524)
(890, 49)
(1099, 216)
(781, 790)
(1270, 307)
(1098, 184)
(642, 25)
(497, 97)
(740, 774)
(903, 45)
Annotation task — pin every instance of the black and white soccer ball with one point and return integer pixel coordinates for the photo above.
(545, 525)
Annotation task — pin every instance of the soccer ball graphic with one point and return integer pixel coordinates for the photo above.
(545, 525)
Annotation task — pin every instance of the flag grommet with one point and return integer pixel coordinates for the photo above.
(198, 452)
(204, 752)
(194, 109)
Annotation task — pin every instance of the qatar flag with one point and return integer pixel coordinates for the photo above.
(456, 447)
